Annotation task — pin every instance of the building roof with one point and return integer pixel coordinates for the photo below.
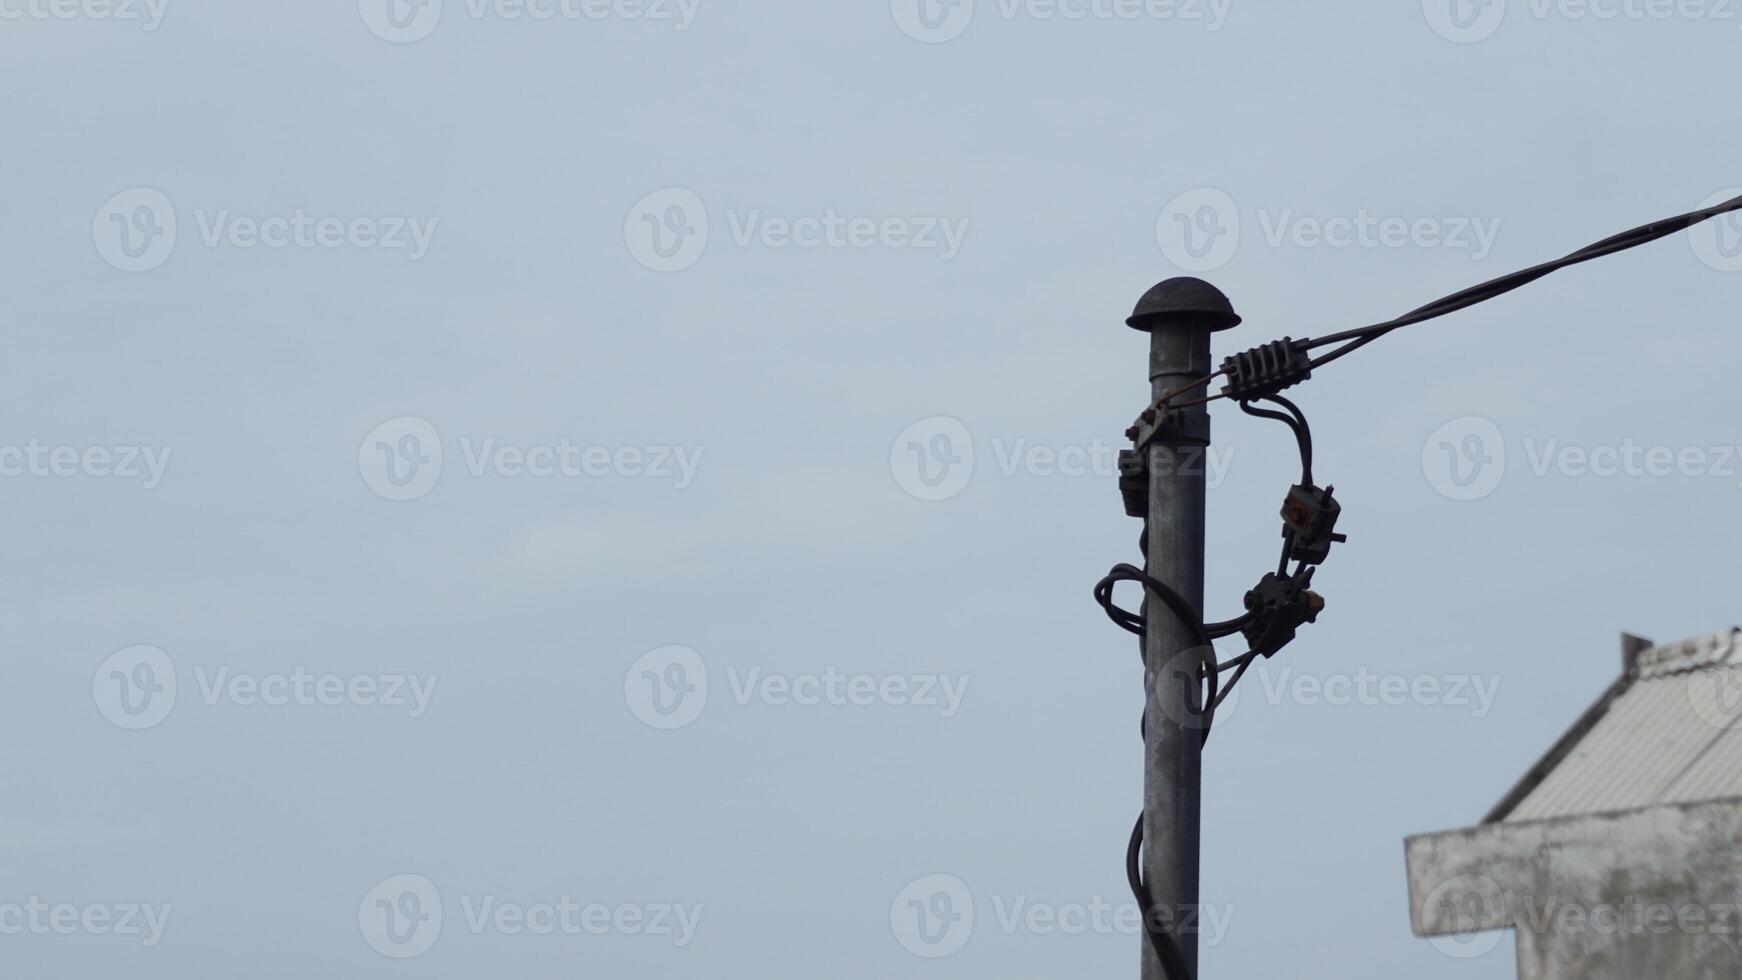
(1668, 731)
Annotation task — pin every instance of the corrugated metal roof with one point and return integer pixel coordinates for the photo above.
(1671, 732)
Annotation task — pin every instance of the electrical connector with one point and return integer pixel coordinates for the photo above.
(1279, 605)
(1266, 370)
(1309, 515)
(1134, 482)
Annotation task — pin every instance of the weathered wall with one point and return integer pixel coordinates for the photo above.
(1654, 893)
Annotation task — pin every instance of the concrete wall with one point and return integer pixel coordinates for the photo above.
(1652, 894)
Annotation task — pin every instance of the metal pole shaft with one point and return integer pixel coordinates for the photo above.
(1179, 355)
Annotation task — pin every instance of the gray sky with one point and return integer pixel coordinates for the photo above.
(263, 265)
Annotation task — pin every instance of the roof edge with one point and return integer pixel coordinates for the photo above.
(1564, 746)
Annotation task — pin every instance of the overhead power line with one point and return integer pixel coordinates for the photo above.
(1292, 365)
(1183, 677)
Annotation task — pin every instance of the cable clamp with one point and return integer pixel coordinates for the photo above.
(1309, 518)
(1134, 482)
(1279, 605)
(1267, 369)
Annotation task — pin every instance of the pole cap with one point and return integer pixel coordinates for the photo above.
(1183, 298)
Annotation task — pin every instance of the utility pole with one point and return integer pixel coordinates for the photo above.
(1179, 315)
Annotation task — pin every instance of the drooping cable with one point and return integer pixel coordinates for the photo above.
(1214, 694)
(1359, 337)
(1483, 292)
(1281, 602)
(1166, 947)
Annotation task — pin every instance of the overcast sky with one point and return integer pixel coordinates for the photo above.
(616, 493)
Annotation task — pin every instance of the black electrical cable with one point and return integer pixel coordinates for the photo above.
(1172, 960)
(1483, 292)
(1229, 627)
(1352, 340)
(1166, 948)
(1360, 337)
(1296, 423)
(1137, 623)
(1209, 674)
(1303, 435)
(1240, 661)
(1238, 673)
